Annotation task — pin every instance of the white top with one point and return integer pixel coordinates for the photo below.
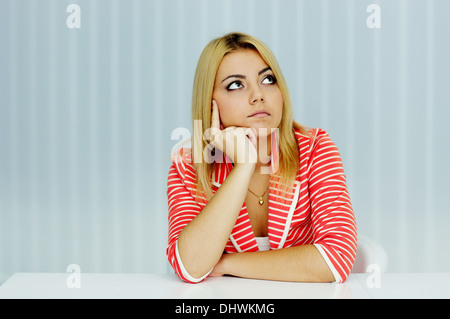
(263, 243)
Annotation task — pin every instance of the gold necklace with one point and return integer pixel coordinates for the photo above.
(261, 201)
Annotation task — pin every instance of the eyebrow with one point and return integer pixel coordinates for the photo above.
(240, 76)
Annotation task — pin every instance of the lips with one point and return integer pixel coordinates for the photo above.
(260, 114)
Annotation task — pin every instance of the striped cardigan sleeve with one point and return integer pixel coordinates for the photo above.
(334, 224)
(182, 210)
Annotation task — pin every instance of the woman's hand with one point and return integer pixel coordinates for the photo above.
(238, 143)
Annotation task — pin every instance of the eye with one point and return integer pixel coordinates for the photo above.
(234, 85)
(270, 79)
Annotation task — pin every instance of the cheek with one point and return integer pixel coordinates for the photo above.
(229, 115)
(228, 110)
(279, 97)
(278, 105)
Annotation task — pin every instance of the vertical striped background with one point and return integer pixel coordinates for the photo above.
(86, 117)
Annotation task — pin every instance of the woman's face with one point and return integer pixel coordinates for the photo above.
(246, 92)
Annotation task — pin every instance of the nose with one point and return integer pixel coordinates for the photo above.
(256, 95)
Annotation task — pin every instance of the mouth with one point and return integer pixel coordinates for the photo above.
(260, 114)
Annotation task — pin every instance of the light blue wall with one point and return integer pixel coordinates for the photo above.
(86, 117)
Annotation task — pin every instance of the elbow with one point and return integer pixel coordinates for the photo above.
(192, 277)
(334, 268)
(190, 274)
(325, 276)
(196, 276)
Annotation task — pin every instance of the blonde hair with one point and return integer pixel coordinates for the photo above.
(204, 79)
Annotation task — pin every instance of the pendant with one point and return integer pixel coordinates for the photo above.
(261, 201)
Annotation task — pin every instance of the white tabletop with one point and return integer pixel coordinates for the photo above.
(168, 286)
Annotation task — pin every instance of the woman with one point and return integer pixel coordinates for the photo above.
(258, 196)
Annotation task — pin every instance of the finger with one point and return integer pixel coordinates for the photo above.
(251, 134)
(215, 117)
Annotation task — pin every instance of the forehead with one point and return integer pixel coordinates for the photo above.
(241, 62)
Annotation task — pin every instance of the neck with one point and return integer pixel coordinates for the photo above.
(264, 149)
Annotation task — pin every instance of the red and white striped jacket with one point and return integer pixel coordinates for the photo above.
(316, 210)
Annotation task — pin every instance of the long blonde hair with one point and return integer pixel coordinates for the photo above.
(204, 79)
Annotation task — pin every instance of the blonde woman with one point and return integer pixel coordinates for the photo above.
(258, 195)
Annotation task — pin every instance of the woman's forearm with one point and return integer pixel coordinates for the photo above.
(300, 263)
(202, 241)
